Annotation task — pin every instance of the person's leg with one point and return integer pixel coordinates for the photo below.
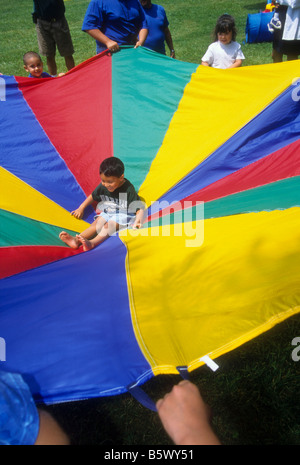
(277, 53)
(108, 230)
(292, 57)
(46, 44)
(70, 63)
(94, 229)
(89, 233)
(51, 65)
(291, 48)
(277, 56)
(63, 40)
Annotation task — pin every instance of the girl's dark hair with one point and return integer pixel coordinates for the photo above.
(112, 166)
(225, 23)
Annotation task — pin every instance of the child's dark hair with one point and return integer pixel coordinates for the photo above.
(28, 55)
(225, 24)
(112, 166)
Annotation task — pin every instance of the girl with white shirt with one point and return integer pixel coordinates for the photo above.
(224, 52)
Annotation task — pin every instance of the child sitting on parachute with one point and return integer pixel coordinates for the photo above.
(119, 203)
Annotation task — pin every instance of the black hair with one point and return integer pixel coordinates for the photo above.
(112, 166)
(225, 23)
(28, 55)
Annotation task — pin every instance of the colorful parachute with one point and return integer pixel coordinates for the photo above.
(215, 156)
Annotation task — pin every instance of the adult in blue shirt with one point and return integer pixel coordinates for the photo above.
(115, 22)
(158, 25)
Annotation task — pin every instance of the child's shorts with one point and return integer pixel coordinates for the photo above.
(122, 219)
(54, 34)
(19, 418)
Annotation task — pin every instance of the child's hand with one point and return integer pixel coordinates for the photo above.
(78, 213)
(137, 224)
(139, 219)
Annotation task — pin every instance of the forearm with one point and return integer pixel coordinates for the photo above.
(140, 215)
(236, 64)
(169, 40)
(98, 35)
(88, 201)
(78, 213)
(139, 219)
(203, 436)
(142, 37)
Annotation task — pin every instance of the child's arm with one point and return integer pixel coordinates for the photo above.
(139, 218)
(78, 213)
(208, 57)
(236, 64)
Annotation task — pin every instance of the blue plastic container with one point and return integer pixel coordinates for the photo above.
(257, 28)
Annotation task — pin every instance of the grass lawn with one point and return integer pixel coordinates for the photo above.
(191, 25)
(255, 393)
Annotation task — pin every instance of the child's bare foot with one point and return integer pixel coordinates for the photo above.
(71, 241)
(86, 244)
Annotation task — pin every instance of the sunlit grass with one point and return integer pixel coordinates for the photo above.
(191, 25)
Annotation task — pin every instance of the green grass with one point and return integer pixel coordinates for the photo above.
(255, 393)
(191, 25)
